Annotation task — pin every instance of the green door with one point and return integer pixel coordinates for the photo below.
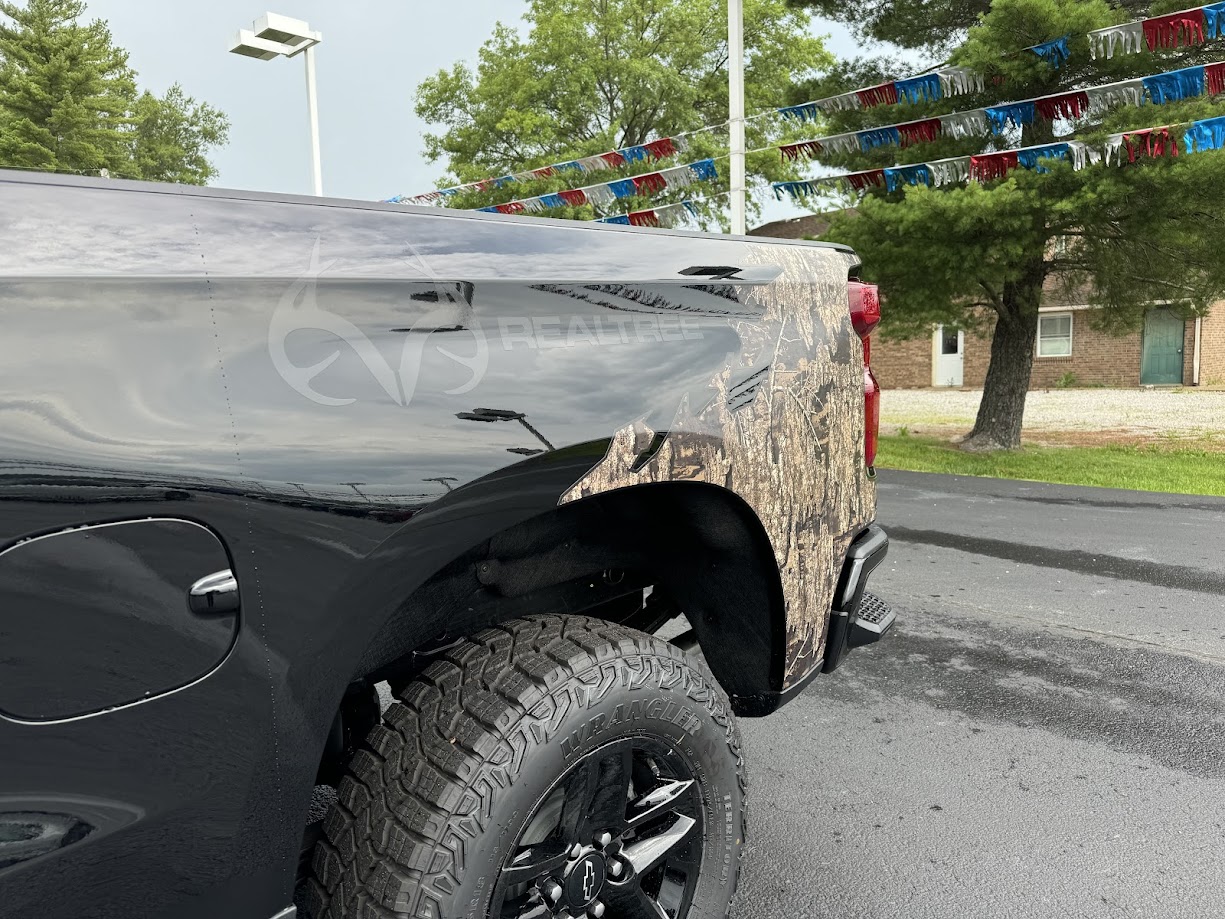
(1161, 364)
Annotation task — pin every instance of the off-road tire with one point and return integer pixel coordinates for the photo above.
(433, 801)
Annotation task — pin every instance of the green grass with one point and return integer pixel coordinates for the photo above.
(1161, 468)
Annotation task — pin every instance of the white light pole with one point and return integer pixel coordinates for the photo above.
(735, 80)
(273, 36)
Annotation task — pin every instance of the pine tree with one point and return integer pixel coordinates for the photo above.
(980, 254)
(65, 90)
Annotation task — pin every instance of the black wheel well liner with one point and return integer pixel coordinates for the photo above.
(700, 544)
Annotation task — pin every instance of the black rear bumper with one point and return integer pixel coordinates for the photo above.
(859, 618)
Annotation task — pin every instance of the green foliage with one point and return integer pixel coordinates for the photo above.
(173, 135)
(594, 75)
(1178, 466)
(69, 103)
(64, 88)
(1067, 381)
(928, 24)
(1119, 238)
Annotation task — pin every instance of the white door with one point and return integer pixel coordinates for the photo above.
(948, 357)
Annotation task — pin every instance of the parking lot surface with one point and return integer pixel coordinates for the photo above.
(1042, 735)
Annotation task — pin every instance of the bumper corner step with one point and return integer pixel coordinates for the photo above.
(875, 619)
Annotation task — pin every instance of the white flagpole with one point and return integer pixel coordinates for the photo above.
(735, 76)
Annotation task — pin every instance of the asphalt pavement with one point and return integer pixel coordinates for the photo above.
(1041, 735)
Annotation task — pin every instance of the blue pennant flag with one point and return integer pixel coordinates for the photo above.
(634, 154)
(919, 174)
(920, 89)
(571, 166)
(806, 112)
(552, 201)
(1053, 52)
(623, 188)
(504, 180)
(689, 206)
(622, 219)
(1018, 113)
(1033, 158)
(879, 137)
(1214, 19)
(794, 189)
(1177, 84)
(1208, 134)
(704, 170)
(488, 210)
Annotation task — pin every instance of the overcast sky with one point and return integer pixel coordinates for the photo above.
(374, 54)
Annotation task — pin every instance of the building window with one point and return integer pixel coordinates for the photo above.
(1055, 335)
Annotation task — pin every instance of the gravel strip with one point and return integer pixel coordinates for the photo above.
(1179, 411)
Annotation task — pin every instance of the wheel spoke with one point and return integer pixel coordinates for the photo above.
(531, 864)
(646, 854)
(630, 901)
(657, 802)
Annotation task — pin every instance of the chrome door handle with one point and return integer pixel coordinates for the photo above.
(216, 593)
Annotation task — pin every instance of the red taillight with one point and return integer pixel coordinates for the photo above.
(871, 403)
(865, 316)
(865, 307)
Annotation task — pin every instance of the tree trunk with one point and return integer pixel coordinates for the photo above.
(998, 426)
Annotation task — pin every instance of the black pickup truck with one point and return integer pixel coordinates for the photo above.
(313, 503)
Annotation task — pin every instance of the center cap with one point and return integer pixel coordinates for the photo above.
(585, 881)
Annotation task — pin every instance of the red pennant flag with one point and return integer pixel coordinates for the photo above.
(861, 180)
(512, 207)
(575, 197)
(650, 183)
(543, 173)
(661, 148)
(885, 94)
(643, 219)
(919, 131)
(991, 166)
(1151, 142)
(613, 159)
(1187, 27)
(806, 148)
(1214, 78)
(1065, 105)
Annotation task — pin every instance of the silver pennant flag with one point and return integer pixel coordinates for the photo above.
(965, 124)
(952, 171)
(1104, 98)
(1127, 38)
(957, 81)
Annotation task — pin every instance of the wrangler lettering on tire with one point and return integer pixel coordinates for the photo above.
(552, 766)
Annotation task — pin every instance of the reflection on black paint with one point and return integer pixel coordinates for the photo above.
(138, 382)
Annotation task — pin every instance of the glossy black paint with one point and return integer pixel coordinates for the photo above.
(291, 374)
(98, 617)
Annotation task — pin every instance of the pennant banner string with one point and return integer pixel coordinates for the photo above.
(1188, 27)
(1120, 149)
(1159, 88)
(605, 193)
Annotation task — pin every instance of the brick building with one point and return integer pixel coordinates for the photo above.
(1167, 351)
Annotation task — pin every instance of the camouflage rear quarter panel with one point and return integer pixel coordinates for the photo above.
(786, 434)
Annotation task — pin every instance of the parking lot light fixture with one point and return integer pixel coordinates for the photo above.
(272, 36)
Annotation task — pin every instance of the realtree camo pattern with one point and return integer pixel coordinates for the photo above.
(786, 434)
